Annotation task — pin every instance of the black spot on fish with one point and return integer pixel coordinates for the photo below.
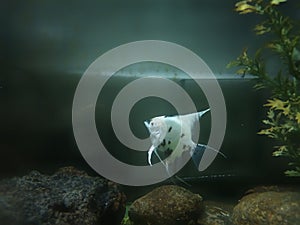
(169, 142)
(168, 152)
(163, 143)
(170, 129)
(184, 146)
(182, 135)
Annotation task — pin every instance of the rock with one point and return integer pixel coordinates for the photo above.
(215, 213)
(69, 196)
(272, 206)
(166, 205)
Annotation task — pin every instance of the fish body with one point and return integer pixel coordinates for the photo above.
(172, 135)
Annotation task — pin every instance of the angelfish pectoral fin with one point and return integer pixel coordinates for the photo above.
(150, 151)
(147, 124)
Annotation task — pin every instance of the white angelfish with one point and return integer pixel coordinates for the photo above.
(173, 135)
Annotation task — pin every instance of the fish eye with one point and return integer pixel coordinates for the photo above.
(152, 123)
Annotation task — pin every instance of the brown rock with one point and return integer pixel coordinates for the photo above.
(269, 207)
(166, 205)
(69, 196)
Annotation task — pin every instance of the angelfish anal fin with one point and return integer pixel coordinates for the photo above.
(197, 154)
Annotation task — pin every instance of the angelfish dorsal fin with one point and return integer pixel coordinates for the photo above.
(190, 119)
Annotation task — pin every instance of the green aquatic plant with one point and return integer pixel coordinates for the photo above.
(126, 220)
(282, 122)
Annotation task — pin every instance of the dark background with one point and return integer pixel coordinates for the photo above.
(45, 47)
